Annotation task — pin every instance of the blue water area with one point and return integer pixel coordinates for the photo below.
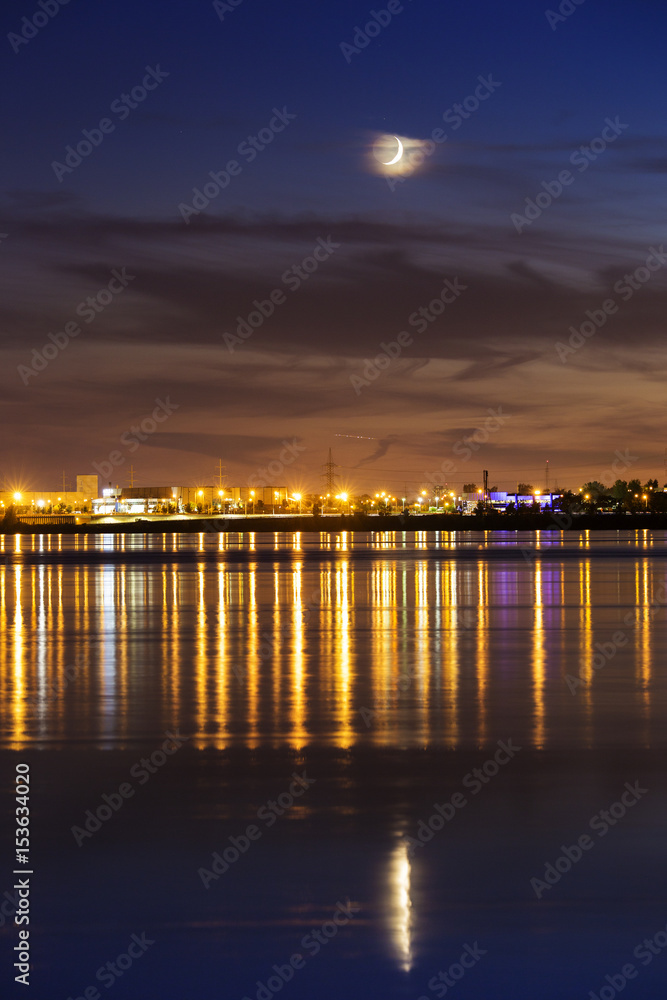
(390, 764)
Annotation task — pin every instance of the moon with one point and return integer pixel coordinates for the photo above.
(399, 154)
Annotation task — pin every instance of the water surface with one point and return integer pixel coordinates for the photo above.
(386, 666)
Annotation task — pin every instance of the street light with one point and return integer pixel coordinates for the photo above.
(297, 497)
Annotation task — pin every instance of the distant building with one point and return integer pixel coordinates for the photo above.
(51, 501)
(499, 500)
(180, 499)
(269, 495)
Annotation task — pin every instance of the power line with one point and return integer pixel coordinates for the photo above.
(329, 476)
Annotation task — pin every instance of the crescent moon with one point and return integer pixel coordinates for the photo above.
(399, 154)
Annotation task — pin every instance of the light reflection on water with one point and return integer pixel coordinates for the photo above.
(298, 639)
(400, 908)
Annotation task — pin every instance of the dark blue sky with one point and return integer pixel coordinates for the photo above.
(495, 346)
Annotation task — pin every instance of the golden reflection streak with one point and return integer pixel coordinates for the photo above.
(201, 663)
(173, 661)
(280, 628)
(167, 680)
(587, 651)
(401, 904)
(344, 736)
(384, 659)
(643, 601)
(451, 653)
(253, 663)
(4, 630)
(299, 733)
(538, 659)
(223, 677)
(422, 652)
(482, 652)
(18, 642)
(45, 677)
(122, 625)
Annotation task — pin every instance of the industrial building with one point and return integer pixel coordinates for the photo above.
(500, 500)
(189, 499)
(42, 502)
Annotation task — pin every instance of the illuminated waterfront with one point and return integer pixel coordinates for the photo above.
(387, 666)
(293, 640)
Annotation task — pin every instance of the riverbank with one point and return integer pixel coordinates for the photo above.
(357, 522)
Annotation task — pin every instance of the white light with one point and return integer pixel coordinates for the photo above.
(401, 917)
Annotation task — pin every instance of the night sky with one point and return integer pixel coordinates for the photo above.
(387, 245)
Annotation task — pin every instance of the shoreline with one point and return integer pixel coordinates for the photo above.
(363, 522)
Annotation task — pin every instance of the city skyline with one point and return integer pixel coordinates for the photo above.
(348, 480)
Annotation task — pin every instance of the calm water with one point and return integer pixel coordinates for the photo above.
(384, 667)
